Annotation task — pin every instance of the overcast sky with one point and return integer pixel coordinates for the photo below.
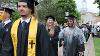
(90, 6)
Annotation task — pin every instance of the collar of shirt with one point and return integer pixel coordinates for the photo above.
(27, 20)
(7, 21)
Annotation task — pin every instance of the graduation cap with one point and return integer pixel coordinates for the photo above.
(71, 17)
(4, 9)
(49, 17)
(8, 10)
(1, 9)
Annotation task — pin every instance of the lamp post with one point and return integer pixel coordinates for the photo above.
(66, 14)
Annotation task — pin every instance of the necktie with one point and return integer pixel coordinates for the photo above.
(24, 25)
(23, 37)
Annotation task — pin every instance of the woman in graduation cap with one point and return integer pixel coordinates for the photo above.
(53, 31)
(5, 24)
(28, 37)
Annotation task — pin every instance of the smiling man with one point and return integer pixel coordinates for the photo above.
(72, 38)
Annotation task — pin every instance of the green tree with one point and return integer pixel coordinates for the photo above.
(46, 7)
(97, 2)
(15, 15)
(57, 9)
(11, 4)
(66, 6)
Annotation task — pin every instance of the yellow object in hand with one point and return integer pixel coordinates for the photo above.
(1, 15)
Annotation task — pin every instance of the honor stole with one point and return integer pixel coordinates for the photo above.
(31, 36)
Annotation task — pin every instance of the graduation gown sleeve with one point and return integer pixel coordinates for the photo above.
(81, 42)
(7, 47)
(43, 41)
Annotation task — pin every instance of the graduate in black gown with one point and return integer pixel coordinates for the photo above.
(5, 24)
(72, 38)
(27, 37)
(53, 31)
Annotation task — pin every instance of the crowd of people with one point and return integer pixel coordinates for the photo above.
(96, 31)
(28, 37)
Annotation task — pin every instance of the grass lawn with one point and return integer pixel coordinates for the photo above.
(97, 46)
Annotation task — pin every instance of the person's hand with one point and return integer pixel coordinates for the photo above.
(62, 43)
(51, 32)
(81, 53)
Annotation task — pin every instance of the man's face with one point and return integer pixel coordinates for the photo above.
(70, 23)
(23, 9)
(6, 15)
(50, 22)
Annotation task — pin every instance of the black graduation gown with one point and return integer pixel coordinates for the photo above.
(76, 47)
(42, 43)
(73, 48)
(54, 40)
(6, 29)
(4, 33)
(1, 36)
(1, 33)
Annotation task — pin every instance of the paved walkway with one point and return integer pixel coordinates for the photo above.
(90, 51)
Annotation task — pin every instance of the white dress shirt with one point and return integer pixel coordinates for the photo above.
(7, 21)
(27, 20)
